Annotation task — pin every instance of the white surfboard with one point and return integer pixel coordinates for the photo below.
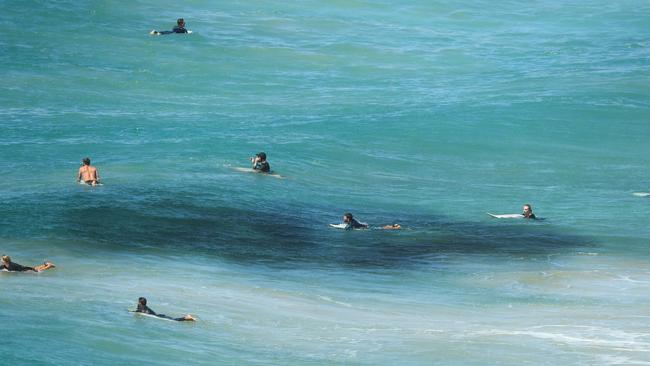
(153, 316)
(343, 226)
(338, 226)
(641, 194)
(251, 170)
(507, 216)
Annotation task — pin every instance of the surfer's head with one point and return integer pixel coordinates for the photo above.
(347, 217)
(181, 22)
(6, 259)
(142, 301)
(528, 209)
(86, 161)
(262, 156)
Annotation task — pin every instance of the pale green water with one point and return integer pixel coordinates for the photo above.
(427, 114)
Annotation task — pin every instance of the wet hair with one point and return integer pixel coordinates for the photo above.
(261, 155)
(86, 161)
(6, 259)
(348, 215)
(180, 20)
(529, 206)
(142, 301)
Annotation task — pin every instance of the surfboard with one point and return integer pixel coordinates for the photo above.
(343, 226)
(251, 170)
(641, 194)
(90, 185)
(506, 216)
(151, 316)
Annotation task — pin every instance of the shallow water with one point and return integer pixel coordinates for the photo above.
(427, 114)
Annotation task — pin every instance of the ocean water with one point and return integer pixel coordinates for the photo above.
(424, 113)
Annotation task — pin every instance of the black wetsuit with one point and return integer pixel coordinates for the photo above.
(531, 216)
(146, 310)
(354, 224)
(15, 267)
(176, 29)
(262, 166)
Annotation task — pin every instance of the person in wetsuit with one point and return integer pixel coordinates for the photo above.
(260, 164)
(143, 308)
(88, 173)
(9, 266)
(528, 212)
(179, 28)
(352, 223)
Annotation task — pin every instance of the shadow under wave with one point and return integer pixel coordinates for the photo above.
(281, 238)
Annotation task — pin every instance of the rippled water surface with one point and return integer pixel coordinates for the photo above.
(424, 113)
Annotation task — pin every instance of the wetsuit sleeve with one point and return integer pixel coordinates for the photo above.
(15, 267)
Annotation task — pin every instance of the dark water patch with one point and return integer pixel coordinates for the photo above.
(276, 235)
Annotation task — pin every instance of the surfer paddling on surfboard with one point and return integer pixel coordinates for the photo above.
(179, 28)
(350, 223)
(260, 164)
(88, 173)
(144, 309)
(528, 212)
(9, 266)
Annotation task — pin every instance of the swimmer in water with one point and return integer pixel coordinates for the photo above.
(9, 266)
(143, 308)
(88, 173)
(260, 164)
(179, 28)
(352, 223)
(528, 212)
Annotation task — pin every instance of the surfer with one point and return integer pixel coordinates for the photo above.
(9, 266)
(260, 164)
(179, 28)
(352, 223)
(88, 173)
(143, 308)
(528, 212)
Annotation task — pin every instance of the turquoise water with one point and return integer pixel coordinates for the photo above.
(428, 114)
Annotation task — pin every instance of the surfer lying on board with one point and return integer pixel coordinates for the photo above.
(351, 223)
(88, 173)
(143, 308)
(528, 212)
(179, 28)
(9, 266)
(260, 164)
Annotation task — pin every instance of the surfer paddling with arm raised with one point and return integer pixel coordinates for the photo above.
(260, 164)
